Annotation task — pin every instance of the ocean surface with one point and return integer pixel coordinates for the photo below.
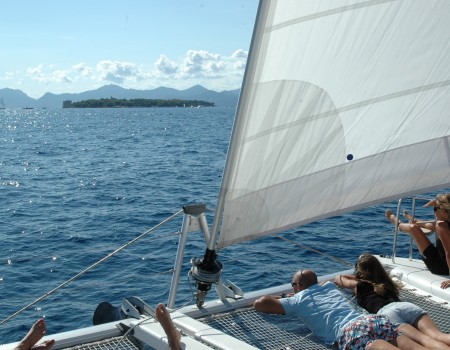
(77, 184)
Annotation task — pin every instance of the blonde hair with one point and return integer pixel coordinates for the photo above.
(444, 201)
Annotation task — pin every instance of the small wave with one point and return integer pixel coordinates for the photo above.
(11, 183)
(78, 239)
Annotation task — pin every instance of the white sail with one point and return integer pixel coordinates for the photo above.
(344, 104)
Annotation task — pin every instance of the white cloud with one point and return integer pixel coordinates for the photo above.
(9, 76)
(83, 69)
(198, 63)
(60, 76)
(117, 72)
(164, 66)
(212, 70)
(35, 71)
(240, 54)
(239, 65)
(40, 74)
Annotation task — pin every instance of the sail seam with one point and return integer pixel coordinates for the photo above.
(351, 107)
(396, 95)
(327, 13)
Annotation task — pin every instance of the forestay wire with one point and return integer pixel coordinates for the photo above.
(92, 266)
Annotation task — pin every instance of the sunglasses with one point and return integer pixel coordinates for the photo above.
(293, 284)
(439, 206)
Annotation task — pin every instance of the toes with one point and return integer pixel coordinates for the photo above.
(41, 326)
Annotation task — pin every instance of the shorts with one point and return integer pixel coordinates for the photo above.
(434, 262)
(363, 331)
(402, 312)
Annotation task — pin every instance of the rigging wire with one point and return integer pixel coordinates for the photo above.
(341, 261)
(160, 236)
(92, 266)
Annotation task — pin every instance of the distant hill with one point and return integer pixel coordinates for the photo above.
(15, 98)
(10, 98)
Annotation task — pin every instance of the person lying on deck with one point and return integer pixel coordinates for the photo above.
(328, 314)
(377, 293)
(436, 258)
(36, 332)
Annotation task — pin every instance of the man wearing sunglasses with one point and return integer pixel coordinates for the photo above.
(328, 314)
(436, 257)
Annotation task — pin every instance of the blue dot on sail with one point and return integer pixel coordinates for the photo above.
(349, 156)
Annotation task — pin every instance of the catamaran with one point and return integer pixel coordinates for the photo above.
(344, 104)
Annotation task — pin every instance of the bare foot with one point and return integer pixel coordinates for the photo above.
(36, 332)
(45, 345)
(391, 217)
(408, 216)
(173, 334)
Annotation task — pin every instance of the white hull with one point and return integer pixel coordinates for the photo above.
(414, 273)
(198, 335)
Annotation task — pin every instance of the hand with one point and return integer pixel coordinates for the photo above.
(445, 284)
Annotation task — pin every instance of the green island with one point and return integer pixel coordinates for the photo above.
(138, 102)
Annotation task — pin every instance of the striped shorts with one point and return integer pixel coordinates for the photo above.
(360, 333)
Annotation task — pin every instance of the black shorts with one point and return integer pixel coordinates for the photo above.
(434, 262)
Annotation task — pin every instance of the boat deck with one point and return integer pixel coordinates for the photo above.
(264, 331)
(119, 343)
(279, 332)
(245, 329)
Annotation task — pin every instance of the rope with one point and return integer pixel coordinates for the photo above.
(130, 331)
(318, 252)
(91, 267)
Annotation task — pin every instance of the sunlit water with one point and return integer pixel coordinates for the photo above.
(78, 184)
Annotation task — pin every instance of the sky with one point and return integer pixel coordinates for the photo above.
(61, 46)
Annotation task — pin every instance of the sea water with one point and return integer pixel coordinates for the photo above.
(77, 184)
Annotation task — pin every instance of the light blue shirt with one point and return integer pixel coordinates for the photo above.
(323, 309)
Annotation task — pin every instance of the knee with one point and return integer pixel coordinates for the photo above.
(414, 228)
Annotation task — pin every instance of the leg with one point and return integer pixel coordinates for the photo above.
(428, 327)
(408, 216)
(405, 343)
(380, 344)
(173, 334)
(415, 231)
(421, 338)
(36, 332)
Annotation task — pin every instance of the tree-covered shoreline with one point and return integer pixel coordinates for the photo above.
(138, 102)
